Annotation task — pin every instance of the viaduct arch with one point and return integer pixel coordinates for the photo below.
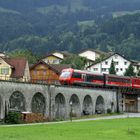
(54, 101)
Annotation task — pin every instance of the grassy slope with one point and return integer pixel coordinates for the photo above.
(120, 129)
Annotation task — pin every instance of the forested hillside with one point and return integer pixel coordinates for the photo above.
(47, 25)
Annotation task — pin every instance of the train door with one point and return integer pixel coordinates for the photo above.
(131, 104)
(84, 77)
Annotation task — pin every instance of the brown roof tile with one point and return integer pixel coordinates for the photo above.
(55, 67)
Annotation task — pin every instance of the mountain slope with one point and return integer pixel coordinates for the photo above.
(46, 25)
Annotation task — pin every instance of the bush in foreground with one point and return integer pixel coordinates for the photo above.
(13, 117)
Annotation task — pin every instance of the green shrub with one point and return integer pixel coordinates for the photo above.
(109, 111)
(13, 117)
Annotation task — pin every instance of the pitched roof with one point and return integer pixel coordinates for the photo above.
(18, 65)
(51, 55)
(107, 58)
(59, 67)
(64, 53)
(93, 50)
(55, 67)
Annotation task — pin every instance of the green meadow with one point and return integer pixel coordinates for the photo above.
(116, 129)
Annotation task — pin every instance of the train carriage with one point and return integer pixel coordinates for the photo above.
(73, 77)
(121, 81)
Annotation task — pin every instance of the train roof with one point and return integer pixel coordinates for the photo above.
(89, 72)
(82, 71)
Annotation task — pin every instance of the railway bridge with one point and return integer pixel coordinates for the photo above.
(54, 101)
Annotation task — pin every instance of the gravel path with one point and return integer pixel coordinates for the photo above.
(125, 115)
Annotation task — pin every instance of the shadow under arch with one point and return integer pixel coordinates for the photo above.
(60, 106)
(100, 105)
(38, 103)
(76, 111)
(17, 101)
(87, 105)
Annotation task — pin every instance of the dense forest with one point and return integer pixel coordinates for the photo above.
(42, 26)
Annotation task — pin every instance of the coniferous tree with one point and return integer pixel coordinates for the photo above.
(112, 68)
(130, 71)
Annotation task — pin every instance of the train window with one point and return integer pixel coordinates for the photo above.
(111, 79)
(65, 74)
(115, 79)
(94, 77)
(90, 78)
(76, 75)
(99, 77)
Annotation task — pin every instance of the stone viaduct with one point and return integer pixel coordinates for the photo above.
(54, 101)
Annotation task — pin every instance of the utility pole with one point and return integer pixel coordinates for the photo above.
(71, 111)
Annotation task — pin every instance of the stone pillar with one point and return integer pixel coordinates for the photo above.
(123, 102)
(138, 104)
(51, 107)
(119, 100)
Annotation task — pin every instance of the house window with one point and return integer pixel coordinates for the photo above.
(104, 69)
(106, 62)
(55, 61)
(116, 63)
(117, 69)
(49, 61)
(125, 63)
(44, 72)
(95, 69)
(4, 71)
(35, 72)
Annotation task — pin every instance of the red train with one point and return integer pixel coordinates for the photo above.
(72, 77)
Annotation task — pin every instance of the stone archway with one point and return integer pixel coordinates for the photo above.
(38, 104)
(76, 111)
(100, 106)
(87, 105)
(17, 101)
(60, 106)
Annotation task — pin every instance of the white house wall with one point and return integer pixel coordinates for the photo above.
(90, 55)
(57, 54)
(121, 65)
